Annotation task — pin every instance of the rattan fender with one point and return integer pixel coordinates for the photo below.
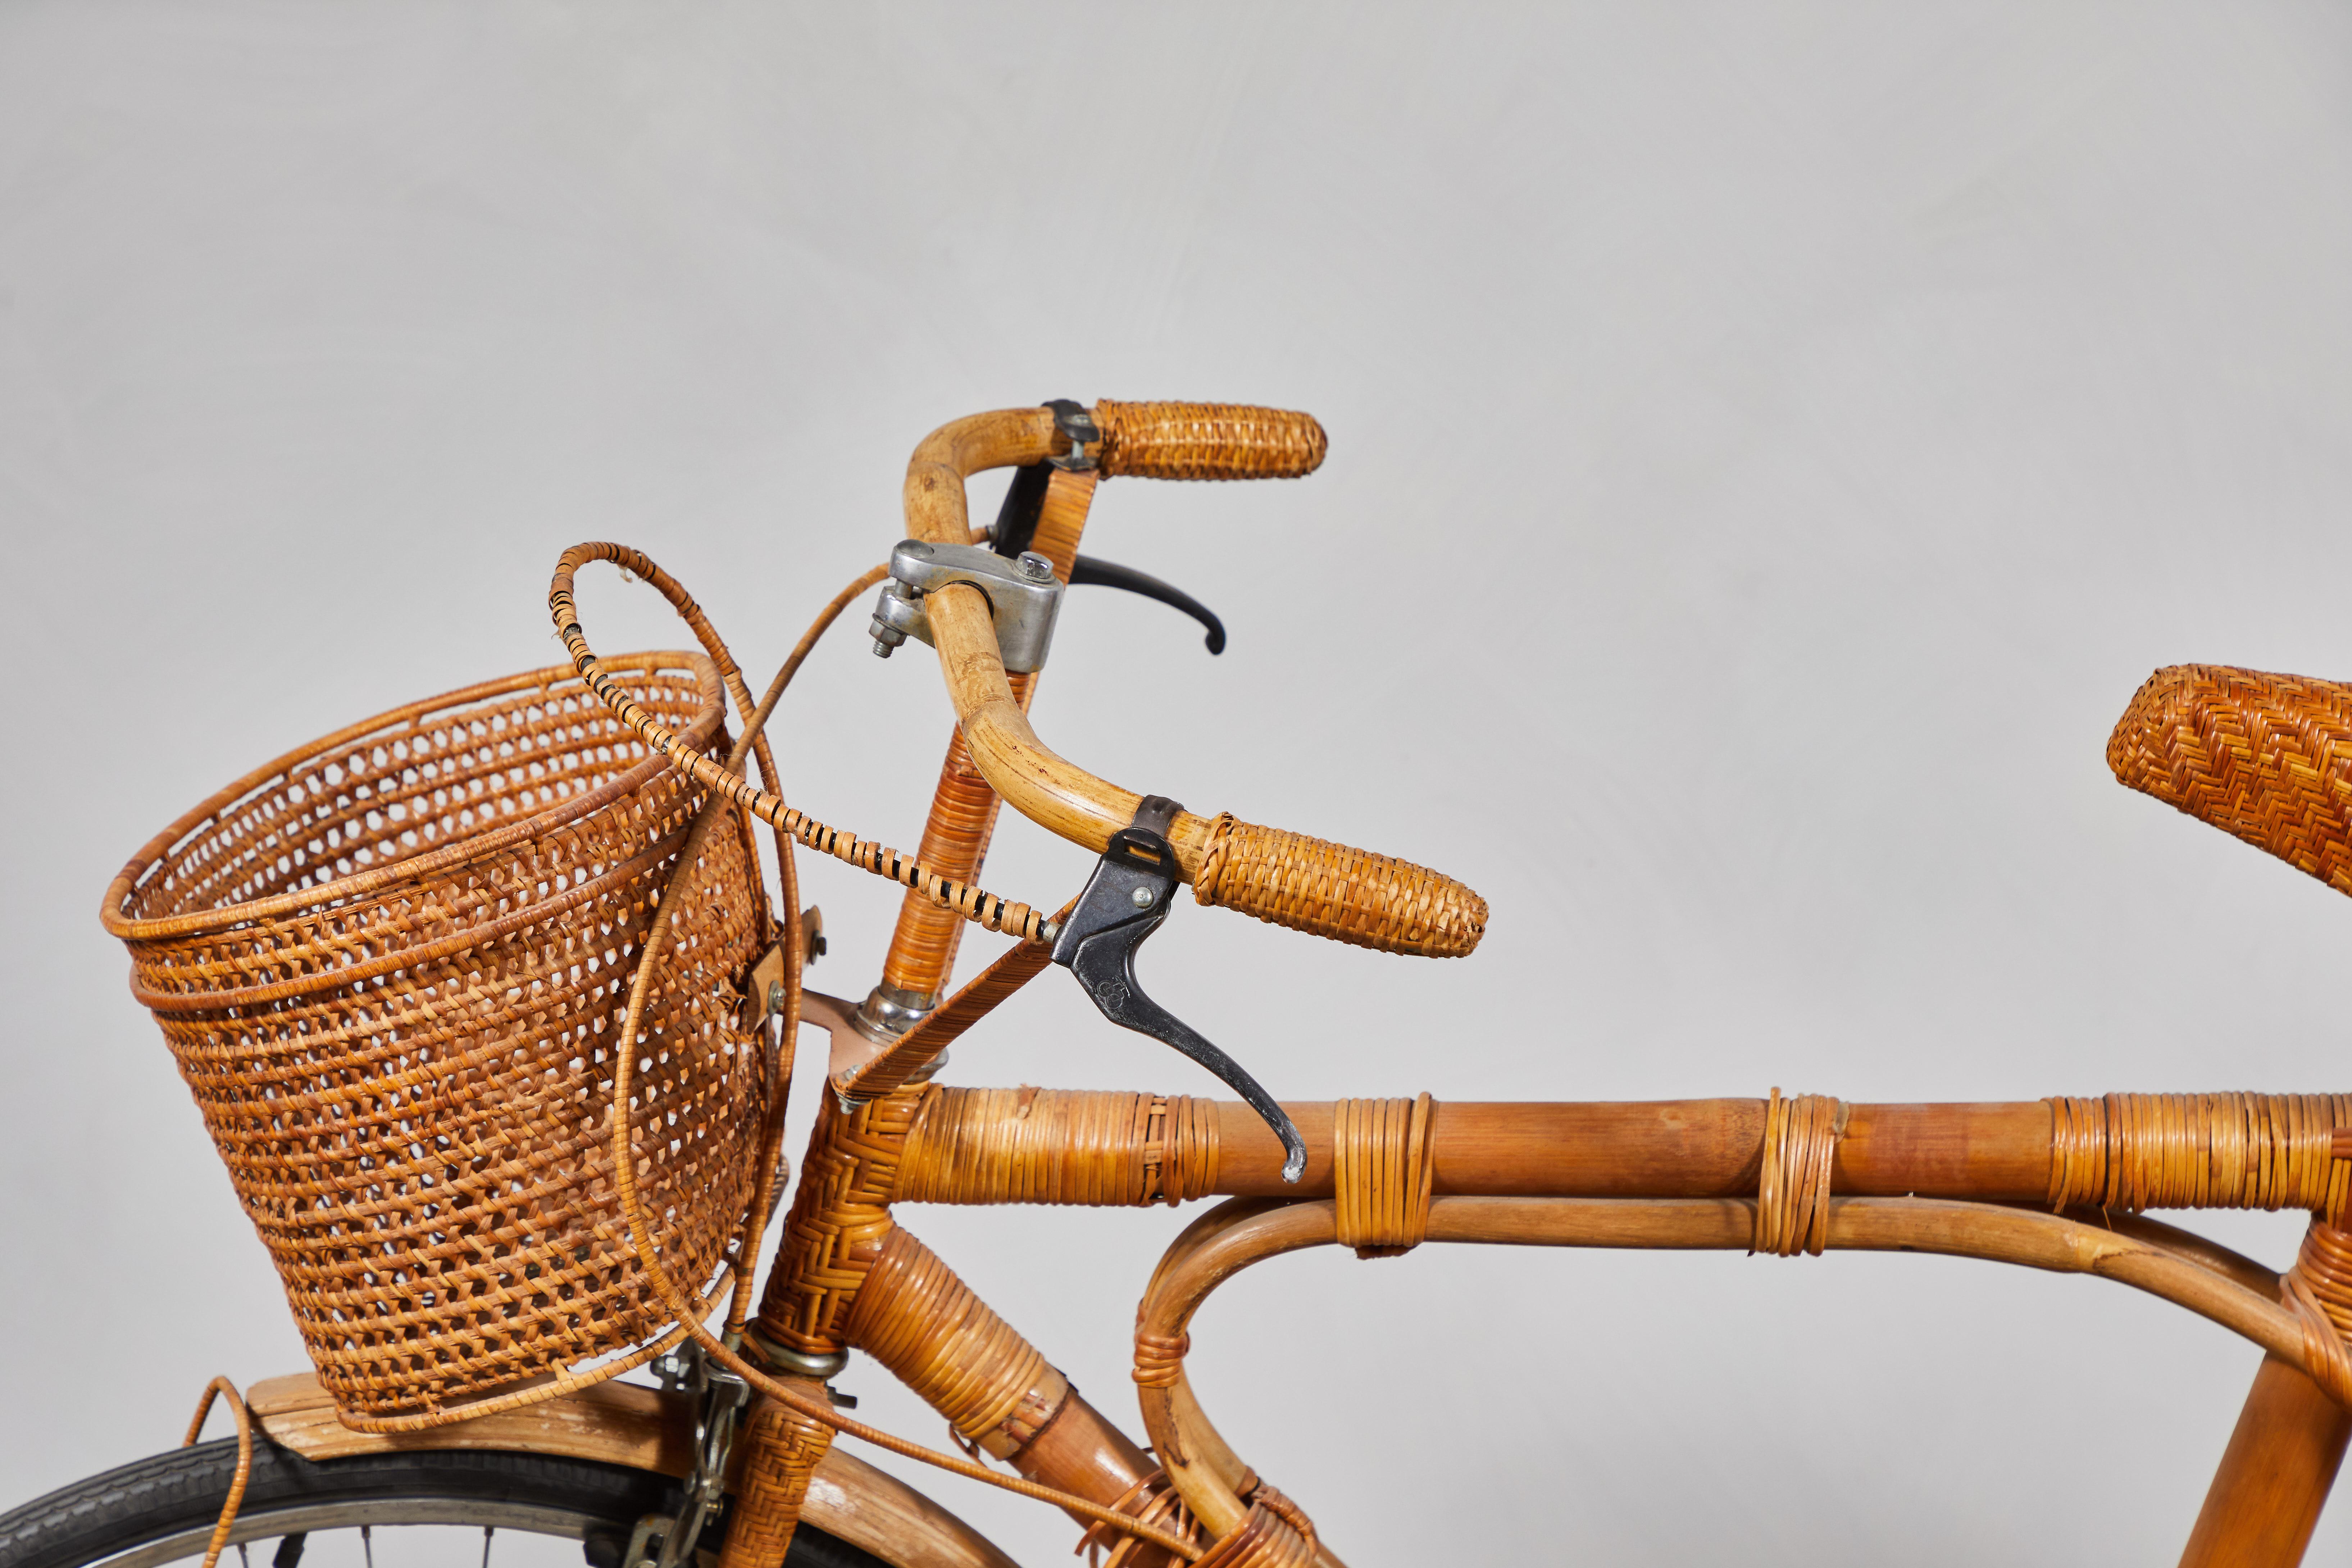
(391, 965)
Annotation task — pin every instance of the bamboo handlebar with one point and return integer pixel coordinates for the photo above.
(1290, 879)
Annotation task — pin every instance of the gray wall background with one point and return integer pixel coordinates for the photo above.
(1770, 445)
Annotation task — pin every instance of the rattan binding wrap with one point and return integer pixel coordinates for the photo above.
(1793, 1196)
(1382, 1171)
(2199, 1150)
(1269, 1536)
(1329, 890)
(1207, 441)
(1098, 1147)
(390, 964)
(2319, 1289)
(916, 1317)
(2265, 757)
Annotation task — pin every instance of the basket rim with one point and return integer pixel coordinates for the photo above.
(120, 891)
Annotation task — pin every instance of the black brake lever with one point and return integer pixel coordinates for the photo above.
(1087, 570)
(1125, 901)
(1015, 530)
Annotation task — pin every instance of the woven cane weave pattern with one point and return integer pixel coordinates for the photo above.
(840, 1218)
(1098, 1147)
(1383, 1171)
(1792, 1198)
(1329, 890)
(389, 967)
(916, 1317)
(2199, 1150)
(780, 1448)
(1207, 441)
(2265, 757)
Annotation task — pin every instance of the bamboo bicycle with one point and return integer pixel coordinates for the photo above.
(393, 967)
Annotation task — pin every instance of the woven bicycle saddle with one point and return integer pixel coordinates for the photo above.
(2265, 757)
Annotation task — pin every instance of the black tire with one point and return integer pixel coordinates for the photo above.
(162, 1509)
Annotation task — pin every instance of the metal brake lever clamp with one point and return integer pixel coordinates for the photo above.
(1126, 901)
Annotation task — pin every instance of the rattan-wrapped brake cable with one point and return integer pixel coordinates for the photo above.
(984, 909)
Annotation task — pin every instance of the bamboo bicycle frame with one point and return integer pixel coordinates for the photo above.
(1678, 1175)
(1971, 1179)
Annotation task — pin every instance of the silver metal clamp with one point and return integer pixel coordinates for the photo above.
(1023, 596)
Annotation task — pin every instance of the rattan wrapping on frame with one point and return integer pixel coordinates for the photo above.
(2265, 757)
(780, 1448)
(1382, 1171)
(2199, 1150)
(1266, 1537)
(1349, 895)
(390, 964)
(1100, 1147)
(1207, 441)
(1153, 1500)
(917, 1317)
(1793, 1197)
(2319, 1289)
(839, 1219)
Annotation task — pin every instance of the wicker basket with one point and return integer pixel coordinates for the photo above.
(391, 965)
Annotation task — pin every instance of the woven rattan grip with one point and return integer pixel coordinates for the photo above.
(1207, 441)
(1349, 894)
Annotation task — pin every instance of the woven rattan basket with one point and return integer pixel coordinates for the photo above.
(391, 965)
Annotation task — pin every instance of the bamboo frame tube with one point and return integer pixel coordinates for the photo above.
(954, 844)
(2281, 1462)
(1673, 1148)
(1238, 1233)
(932, 1331)
(2274, 1476)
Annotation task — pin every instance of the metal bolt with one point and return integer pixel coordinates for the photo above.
(1143, 897)
(1037, 567)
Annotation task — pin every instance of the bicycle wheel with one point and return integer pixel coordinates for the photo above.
(163, 1509)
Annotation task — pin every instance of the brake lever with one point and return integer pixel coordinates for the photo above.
(1126, 901)
(1089, 570)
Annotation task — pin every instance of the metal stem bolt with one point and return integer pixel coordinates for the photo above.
(1037, 567)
